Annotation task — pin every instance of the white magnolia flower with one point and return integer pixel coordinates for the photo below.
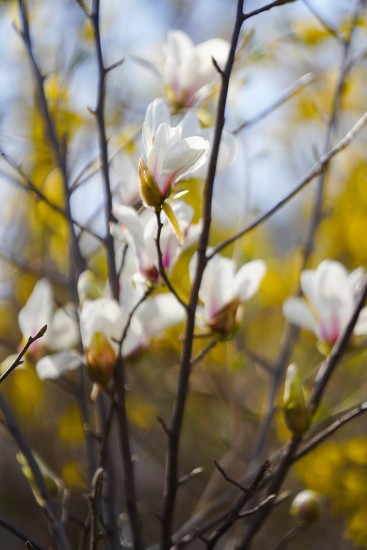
(102, 325)
(223, 289)
(189, 73)
(168, 155)
(329, 293)
(131, 230)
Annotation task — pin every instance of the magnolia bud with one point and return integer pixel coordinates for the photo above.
(149, 190)
(101, 359)
(306, 506)
(296, 414)
(89, 287)
(225, 320)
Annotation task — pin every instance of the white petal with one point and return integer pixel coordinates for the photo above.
(332, 279)
(159, 313)
(157, 113)
(38, 309)
(361, 325)
(217, 284)
(165, 138)
(131, 229)
(53, 366)
(248, 278)
(190, 125)
(183, 158)
(63, 331)
(296, 311)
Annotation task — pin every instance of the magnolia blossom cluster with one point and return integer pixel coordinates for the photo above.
(174, 150)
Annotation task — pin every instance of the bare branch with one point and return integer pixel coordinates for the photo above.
(267, 7)
(229, 479)
(325, 432)
(204, 352)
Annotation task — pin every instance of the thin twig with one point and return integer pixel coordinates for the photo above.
(204, 352)
(229, 479)
(19, 359)
(268, 7)
(290, 536)
(258, 507)
(188, 477)
(325, 432)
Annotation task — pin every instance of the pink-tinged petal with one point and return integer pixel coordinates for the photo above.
(53, 366)
(216, 286)
(247, 280)
(182, 159)
(38, 309)
(361, 326)
(296, 312)
(63, 331)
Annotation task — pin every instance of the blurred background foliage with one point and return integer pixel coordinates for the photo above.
(230, 388)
